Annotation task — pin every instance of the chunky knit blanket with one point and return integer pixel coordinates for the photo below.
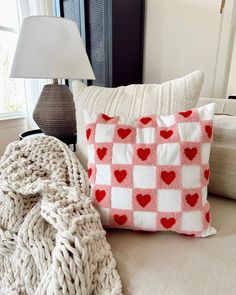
(51, 237)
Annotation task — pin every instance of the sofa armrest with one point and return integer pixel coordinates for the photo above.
(223, 106)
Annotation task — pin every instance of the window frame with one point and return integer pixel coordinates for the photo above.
(20, 114)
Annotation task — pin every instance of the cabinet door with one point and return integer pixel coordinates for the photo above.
(186, 35)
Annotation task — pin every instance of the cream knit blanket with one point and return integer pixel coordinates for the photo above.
(51, 237)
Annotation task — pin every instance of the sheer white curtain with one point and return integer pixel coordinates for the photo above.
(33, 87)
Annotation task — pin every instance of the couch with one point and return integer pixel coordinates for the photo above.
(171, 264)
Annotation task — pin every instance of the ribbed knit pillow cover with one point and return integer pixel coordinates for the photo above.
(134, 101)
(151, 173)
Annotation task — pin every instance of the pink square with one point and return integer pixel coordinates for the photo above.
(168, 177)
(145, 154)
(124, 134)
(190, 153)
(121, 218)
(107, 119)
(103, 153)
(146, 121)
(168, 221)
(168, 134)
(206, 131)
(91, 173)
(90, 132)
(144, 200)
(191, 199)
(101, 196)
(187, 116)
(122, 176)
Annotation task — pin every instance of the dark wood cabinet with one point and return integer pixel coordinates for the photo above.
(113, 34)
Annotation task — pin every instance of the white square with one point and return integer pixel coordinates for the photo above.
(191, 221)
(206, 112)
(121, 198)
(169, 200)
(144, 220)
(191, 176)
(205, 152)
(103, 174)
(144, 176)
(122, 153)
(91, 154)
(104, 132)
(146, 135)
(105, 215)
(168, 154)
(165, 121)
(190, 132)
(204, 195)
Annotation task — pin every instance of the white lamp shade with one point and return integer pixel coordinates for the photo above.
(50, 47)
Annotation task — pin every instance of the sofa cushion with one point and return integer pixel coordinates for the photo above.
(167, 263)
(151, 173)
(133, 101)
(223, 169)
(223, 151)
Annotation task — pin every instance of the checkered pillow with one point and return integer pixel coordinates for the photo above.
(151, 173)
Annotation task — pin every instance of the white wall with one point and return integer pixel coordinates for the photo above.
(10, 130)
(184, 35)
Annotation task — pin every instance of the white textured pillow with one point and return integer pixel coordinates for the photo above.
(134, 101)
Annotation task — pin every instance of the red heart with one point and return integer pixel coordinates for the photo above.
(168, 222)
(88, 133)
(143, 200)
(100, 195)
(208, 130)
(143, 153)
(106, 118)
(208, 216)
(123, 133)
(166, 134)
(90, 172)
(190, 153)
(185, 114)
(207, 174)
(192, 199)
(145, 120)
(120, 175)
(168, 177)
(101, 152)
(120, 219)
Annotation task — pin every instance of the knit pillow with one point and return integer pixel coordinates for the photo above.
(151, 173)
(134, 101)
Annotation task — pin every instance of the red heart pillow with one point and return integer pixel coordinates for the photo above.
(151, 173)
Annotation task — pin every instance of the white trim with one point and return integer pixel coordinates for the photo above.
(8, 29)
(10, 116)
(225, 46)
(13, 123)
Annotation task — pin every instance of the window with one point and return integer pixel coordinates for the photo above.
(12, 91)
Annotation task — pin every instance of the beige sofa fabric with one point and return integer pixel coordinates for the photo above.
(223, 106)
(133, 101)
(171, 264)
(223, 151)
(223, 170)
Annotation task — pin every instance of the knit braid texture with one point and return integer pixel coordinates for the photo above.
(51, 236)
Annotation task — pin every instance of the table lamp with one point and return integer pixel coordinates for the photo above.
(51, 48)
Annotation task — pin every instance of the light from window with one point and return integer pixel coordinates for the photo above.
(12, 91)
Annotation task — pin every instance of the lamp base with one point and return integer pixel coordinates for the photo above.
(54, 112)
